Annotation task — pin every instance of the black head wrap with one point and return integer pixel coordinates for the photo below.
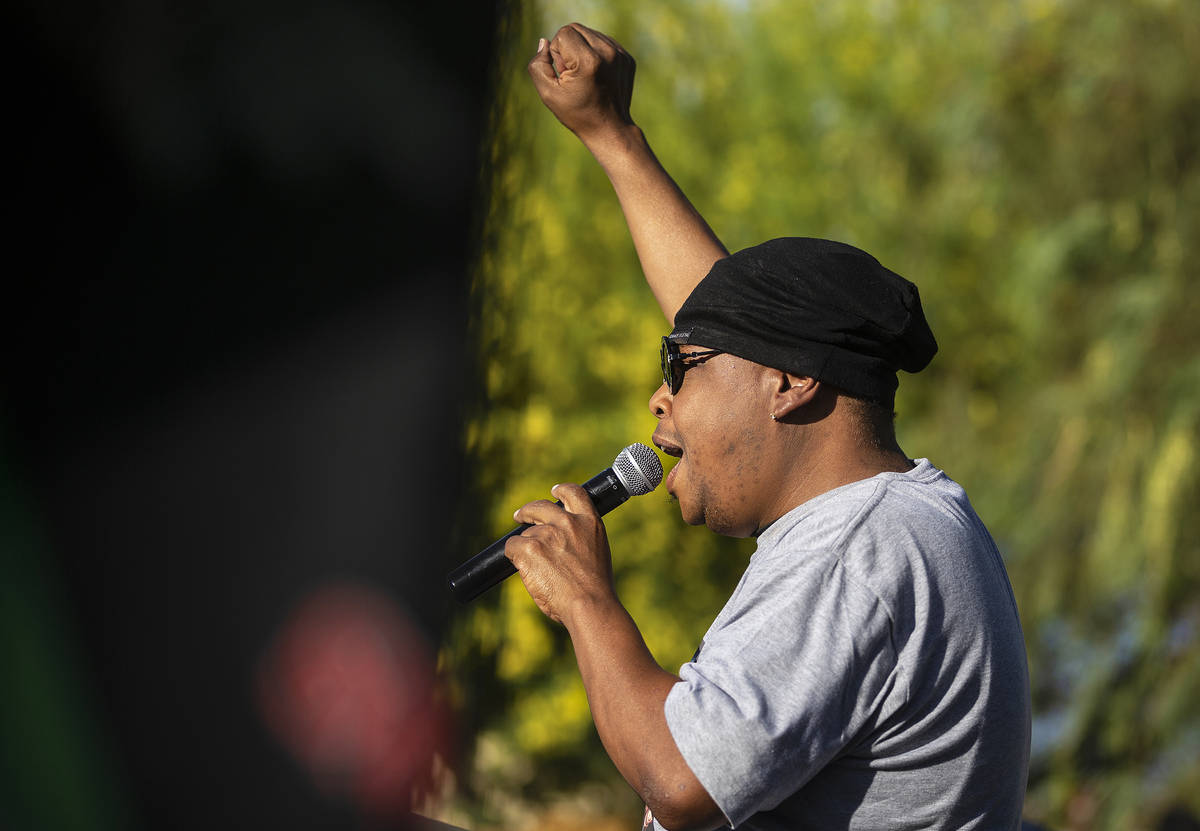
(812, 307)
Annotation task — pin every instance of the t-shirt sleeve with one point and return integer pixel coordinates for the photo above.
(790, 672)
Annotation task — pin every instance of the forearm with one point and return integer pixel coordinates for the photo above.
(674, 244)
(627, 691)
(586, 79)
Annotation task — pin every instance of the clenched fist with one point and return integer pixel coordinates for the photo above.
(586, 79)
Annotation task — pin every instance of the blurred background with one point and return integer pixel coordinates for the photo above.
(315, 295)
(233, 395)
(1034, 167)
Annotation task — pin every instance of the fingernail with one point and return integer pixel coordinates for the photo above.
(553, 489)
(517, 511)
(541, 44)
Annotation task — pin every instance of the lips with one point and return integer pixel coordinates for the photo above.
(667, 446)
(671, 449)
(671, 480)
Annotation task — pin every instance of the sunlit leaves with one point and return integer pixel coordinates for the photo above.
(1035, 168)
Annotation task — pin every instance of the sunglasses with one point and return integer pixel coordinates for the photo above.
(675, 363)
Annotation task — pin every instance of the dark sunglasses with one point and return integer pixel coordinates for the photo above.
(675, 363)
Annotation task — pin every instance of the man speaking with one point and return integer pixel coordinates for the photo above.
(868, 671)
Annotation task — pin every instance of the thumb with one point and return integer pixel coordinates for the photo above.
(574, 498)
(541, 67)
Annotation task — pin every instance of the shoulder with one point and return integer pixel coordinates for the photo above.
(828, 521)
(883, 531)
(922, 495)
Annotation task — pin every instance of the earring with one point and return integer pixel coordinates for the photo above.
(774, 417)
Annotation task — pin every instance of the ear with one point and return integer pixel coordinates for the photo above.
(792, 393)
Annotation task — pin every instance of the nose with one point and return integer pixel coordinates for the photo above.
(660, 402)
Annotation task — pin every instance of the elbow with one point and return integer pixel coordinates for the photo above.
(671, 822)
(686, 809)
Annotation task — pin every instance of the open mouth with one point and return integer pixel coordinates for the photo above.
(670, 448)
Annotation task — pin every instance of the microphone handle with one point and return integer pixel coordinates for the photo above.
(490, 567)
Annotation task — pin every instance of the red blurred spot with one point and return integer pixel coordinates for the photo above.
(349, 686)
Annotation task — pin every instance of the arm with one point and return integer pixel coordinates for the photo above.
(586, 79)
(565, 564)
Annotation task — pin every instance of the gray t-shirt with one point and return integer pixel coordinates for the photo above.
(868, 671)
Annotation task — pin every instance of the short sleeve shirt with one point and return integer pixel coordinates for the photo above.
(868, 672)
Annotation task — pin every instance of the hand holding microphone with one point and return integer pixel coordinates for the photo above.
(635, 471)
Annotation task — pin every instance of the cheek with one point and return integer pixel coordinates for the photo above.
(717, 416)
(712, 440)
(723, 451)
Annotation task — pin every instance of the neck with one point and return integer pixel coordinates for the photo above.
(821, 457)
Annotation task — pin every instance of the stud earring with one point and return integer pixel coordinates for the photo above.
(774, 417)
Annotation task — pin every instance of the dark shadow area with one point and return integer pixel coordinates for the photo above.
(233, 364)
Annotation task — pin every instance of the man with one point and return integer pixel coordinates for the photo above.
(869, 670)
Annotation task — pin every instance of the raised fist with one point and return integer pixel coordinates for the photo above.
(586, 79)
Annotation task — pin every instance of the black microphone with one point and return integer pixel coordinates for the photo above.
(635, 471)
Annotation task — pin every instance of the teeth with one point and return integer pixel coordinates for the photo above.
(669, 449)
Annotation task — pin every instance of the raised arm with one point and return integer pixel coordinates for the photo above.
(586, 79)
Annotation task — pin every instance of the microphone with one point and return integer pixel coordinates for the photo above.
(635, 471)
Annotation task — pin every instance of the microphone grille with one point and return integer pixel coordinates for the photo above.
(638, 468)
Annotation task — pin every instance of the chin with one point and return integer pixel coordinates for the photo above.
(689, 513)
(726, 525)
(691, 517)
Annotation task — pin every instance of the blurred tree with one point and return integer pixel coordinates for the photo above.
(1033, 166)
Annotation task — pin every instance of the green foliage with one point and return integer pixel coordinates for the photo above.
(1035, 168)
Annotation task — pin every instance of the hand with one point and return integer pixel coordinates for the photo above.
(586, 79)
(563, 558)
